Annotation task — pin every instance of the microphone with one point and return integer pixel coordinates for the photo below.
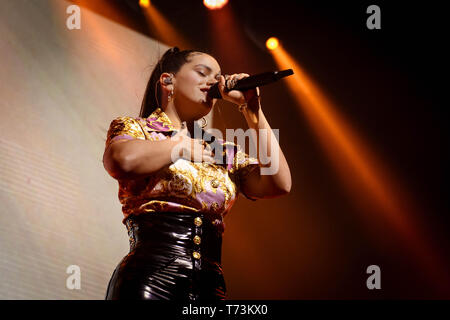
(251, 82)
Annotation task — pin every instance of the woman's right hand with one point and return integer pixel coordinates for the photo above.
(191, 149)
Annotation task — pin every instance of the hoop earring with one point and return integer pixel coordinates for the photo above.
(204, 122)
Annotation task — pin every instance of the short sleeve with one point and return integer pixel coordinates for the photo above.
(124, 128)
(244, 164)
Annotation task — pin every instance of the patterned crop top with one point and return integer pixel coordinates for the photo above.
(183, 186)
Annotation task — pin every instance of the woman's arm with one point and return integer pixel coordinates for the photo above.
(256, 185)
(133, 159)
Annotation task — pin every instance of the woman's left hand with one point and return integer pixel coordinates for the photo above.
(251, 96)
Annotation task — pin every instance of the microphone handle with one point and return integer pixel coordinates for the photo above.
(259, 80)
(251, 82)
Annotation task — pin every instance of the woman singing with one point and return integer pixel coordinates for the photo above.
(174, 189)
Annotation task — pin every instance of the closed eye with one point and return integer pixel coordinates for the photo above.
(201, 73)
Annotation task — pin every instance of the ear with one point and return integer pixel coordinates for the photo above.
(167, 80)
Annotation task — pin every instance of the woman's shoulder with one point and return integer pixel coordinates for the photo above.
(124, 120)
(124, 127)
(148, 124)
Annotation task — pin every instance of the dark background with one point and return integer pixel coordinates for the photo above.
(390, 84)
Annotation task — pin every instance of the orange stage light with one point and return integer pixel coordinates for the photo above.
(144, 3)
(382, 200)
(272, 43)
(215, 4)
(162, 27)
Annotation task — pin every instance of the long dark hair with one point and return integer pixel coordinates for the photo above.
(171, 62)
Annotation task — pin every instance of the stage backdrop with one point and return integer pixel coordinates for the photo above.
(59, 90)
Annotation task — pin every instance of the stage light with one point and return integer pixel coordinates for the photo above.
(215, 4)
(272, 43)
(161, 27)
(144, 3)
(379, 197)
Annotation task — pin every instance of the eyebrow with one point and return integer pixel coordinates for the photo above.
(202, 65)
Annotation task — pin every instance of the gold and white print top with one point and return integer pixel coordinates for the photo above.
(182, 186)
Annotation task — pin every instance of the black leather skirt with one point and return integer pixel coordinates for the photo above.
(173, 256)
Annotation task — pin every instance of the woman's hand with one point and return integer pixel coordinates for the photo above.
(191, 149)
(250, 97)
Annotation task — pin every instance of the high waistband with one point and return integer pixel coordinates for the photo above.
(176, 234)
